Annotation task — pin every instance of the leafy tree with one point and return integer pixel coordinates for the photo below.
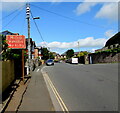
(63, 59)
(8, 53)
(45, 53)
(82, 53)
(70, 53)
(3, 43)
(51, 56)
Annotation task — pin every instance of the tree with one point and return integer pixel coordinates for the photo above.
(51, 56)
(82, 53)
(8, 53)
(70, 53)
(45, 53)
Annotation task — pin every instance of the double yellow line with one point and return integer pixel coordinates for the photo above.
(59, 99)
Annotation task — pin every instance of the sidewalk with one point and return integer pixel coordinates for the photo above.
(36, 97)
(31, 96)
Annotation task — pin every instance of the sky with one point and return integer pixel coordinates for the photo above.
(82, 26)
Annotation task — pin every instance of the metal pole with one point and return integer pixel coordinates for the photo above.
(49, 52)
(29, 44)
(78, 47)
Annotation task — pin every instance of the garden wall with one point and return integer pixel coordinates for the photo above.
(104, 57)
(7, 73)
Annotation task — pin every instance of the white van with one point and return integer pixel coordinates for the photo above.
(74, 61)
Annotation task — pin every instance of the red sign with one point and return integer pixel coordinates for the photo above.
(16, 41)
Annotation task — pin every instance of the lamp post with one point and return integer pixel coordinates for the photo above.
(49, 52)
(78, 47)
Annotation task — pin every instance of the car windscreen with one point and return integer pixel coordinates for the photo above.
(50, 61)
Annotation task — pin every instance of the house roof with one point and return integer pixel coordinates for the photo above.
(8, 33)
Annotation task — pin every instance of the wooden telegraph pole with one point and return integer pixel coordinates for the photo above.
(23, 65)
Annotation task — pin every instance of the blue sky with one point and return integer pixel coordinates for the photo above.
(89, 23)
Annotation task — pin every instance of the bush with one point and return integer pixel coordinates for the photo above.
(115, 50)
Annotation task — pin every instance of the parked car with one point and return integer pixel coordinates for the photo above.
(68, 61)
(49, 62)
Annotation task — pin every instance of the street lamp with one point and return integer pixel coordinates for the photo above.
(79, 47)
(49, 52)
(36, 18)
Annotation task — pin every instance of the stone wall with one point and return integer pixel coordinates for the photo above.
(104, 57)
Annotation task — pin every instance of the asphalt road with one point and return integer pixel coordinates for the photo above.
(86, 87)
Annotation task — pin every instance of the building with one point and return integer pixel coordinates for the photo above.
(63, 55)
(56, 56)
(8, 33)
(76, 53)
(32, 48)
(38, 52)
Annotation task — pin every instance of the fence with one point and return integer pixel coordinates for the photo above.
(7, 73)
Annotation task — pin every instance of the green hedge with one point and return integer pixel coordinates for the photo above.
(115, 50)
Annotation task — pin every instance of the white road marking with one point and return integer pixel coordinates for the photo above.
(59, 99)
(37, 70)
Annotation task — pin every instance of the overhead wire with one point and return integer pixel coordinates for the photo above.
(13, 18)
(11, 13)
(23, 26)
(95, 25)
(38, 30)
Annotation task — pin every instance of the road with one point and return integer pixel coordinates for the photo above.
(86, 87)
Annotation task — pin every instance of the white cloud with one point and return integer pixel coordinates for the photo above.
(84, 7)
(110, 33)
(84, 43)
(10, 6)
(108, 11)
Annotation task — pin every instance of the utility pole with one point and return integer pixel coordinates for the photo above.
(29, 44)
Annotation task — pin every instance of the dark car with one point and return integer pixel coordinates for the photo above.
(68, 61)
(49, 62)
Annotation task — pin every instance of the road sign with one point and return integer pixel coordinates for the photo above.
(16, 41)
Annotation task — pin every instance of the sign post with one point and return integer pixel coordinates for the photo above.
(17, 42)
(23, 65)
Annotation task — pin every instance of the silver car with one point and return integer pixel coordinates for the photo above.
(49, 62)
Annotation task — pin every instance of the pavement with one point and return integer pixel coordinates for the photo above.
(32, 95)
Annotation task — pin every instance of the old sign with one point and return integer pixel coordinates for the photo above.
(16, 41)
